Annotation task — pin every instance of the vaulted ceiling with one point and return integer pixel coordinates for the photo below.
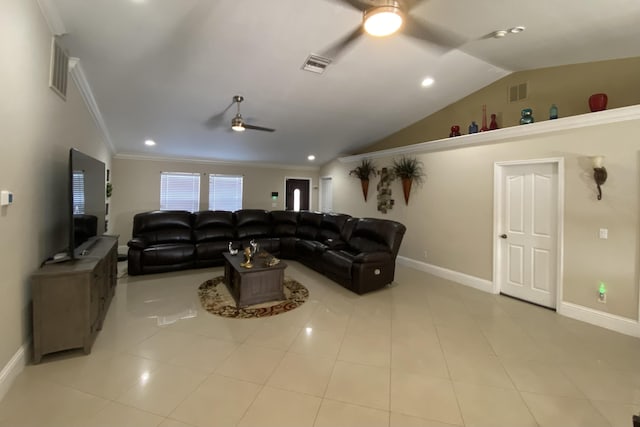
(167, 69)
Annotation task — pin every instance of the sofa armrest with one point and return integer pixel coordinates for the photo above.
(372, 257)
(137, 243)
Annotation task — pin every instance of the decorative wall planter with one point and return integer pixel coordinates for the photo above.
(406, 188)
(408, 169)
(365, 188)
(363, 171)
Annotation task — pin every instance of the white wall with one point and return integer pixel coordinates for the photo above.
(136, 186)
(451, 215)
(37, 128)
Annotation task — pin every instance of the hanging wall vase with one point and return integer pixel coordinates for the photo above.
(363, 171)
(598, 102)
(406, 188)
(365, 188)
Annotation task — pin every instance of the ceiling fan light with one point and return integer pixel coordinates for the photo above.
(382, 21)
(237, 124)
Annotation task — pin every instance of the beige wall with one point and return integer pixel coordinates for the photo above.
(37, 129)
(569, 87)
(136, 187)
(451, 215)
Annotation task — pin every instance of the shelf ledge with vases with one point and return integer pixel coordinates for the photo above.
(508, 134)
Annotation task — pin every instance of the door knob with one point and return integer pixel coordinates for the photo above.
(503, 236)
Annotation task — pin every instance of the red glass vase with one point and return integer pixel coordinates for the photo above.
(598, 102)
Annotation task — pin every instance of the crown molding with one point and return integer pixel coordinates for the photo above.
(134, 156)
(52, 16)
(497, 136)
(80, 79)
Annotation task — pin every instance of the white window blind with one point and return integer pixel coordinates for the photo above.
(225, 192)
(180, 191)
(77, 190)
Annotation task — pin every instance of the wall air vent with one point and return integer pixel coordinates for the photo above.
(316, 64)
(518, 92)
(59, 69)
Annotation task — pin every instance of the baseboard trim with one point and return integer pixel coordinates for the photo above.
(605, 320)
(613, 322)
(454, 276)
(12, 369)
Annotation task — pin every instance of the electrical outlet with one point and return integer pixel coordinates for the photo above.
(604, 233)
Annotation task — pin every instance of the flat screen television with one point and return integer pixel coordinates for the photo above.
(86, 199)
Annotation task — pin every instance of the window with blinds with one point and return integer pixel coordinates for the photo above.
(225, 192)
(180, 191)
(77, 190)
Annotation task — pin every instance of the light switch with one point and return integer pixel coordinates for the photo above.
(6, 198)
(604, 233)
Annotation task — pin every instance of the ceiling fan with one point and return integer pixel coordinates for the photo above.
(238, 124)
(381, 18)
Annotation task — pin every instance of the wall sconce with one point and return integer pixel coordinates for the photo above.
(599, 173)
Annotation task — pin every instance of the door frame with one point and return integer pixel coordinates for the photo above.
(498, 194)
(306, 178)
(321, 189)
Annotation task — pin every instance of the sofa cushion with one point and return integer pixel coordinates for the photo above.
(213, 226)
(338, 263)
(376, 235)
(211, 250)
(252, 223)
(168, 253)
(159, 227)
(284, 223)
(308, 225)
(331, 226)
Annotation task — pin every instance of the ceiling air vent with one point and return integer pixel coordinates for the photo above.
(316, 64)
(59, 69)
(518, 92)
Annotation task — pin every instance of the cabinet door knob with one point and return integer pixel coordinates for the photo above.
(503, 236)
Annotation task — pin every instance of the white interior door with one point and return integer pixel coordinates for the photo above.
(528, 232)
(326, 194)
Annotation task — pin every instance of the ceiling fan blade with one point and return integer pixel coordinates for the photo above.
(357, 4)
(253, 127)
(432, 33)
(411, 4)
(217, 119)
(337, 48)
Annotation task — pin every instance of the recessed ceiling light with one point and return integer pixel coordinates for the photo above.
(150, 142)
(311, 157)
(516, 30)
(428, 81)
(499, 34)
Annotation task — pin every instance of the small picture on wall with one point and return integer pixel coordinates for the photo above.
(108, 175)
(106, 209)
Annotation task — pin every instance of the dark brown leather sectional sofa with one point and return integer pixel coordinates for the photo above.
(358, 253)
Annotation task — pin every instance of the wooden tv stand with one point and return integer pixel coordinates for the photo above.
(70, 299)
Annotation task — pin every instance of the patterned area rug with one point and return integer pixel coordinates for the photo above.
(216, 299)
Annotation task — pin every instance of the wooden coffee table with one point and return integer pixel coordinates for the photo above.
(255, 285)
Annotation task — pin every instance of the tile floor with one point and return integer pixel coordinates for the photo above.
(424, 352)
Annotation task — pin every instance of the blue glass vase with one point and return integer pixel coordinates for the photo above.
(526, 116)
